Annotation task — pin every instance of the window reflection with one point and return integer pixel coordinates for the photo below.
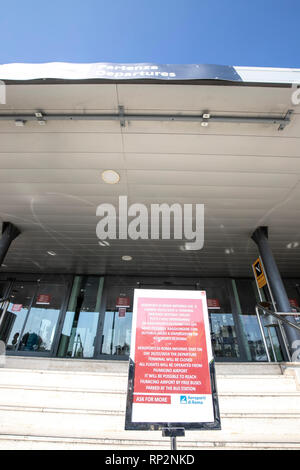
(223, 335)
(16, 313)
(254, 338)
(80, 327)
(116, 333)
(247, 296)
(40, 326)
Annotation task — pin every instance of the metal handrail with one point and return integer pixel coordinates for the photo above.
(264, 306)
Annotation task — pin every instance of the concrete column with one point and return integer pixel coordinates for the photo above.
(260, 237)
(9, 233)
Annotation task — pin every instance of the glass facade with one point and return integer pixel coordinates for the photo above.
(30, 311)
(78, 336)
(90, 316)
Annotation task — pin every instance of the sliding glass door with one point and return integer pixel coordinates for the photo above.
(31, 314)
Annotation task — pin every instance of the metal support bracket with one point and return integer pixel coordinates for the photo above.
(40, 118)
(286, 120)
(205, 119)
(172, 433)
(122, 118)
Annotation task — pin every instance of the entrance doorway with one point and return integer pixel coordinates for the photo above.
(31, 310)
(115, 321)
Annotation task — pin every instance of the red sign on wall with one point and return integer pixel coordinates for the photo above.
(16, 307)
(123, 302)
(213, 303)
(43, 299)
(294, 302)
(122, 312)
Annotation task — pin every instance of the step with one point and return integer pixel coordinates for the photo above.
(56, 364)
(64, 379)
(260, 402)
(113, 400)
(55, 403)
(256, 383)
(86, 423)
(19, 442)
(118, 382)
(93, 365)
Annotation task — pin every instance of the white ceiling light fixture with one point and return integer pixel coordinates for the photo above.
(127, 258)
(104, 243)
(51, 253)
(19, 123)
(186, 247)
(110, 176)
(292, 245)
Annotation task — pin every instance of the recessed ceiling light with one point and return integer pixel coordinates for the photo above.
(186, 247)
(110, 176)
(51, 253)
(19, 123)
(104, 243)
(127, 258)
(292, 245)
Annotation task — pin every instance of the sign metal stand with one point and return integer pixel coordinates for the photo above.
(172, 433)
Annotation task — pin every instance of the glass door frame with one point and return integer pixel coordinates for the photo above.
(100, 327)
(61, 320)
(29, 279)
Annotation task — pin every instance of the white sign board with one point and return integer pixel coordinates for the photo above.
(171, 372)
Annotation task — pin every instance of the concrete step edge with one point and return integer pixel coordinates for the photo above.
(42, 409)
(64, 372)
(182, 443)
(122, 375)
(63, 389)
(124, 392)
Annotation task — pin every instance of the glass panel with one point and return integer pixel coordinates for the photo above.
(80, 327)
(223, 335)
(39, 330)
(254, 339)
(292, 287)
(3, 289)
(247, 297)
(16, 313)
(117, 327)
(3, 285)
(116, 333)
(223, 329)
(117, 321)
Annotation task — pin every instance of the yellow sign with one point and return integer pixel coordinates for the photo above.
(259, 273)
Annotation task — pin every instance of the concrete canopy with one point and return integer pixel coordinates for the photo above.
(246, 174)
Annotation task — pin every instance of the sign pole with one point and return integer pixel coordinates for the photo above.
(173, 433)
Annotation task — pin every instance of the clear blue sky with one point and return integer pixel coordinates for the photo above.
(230, 32)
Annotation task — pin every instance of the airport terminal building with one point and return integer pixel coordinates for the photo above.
(76, 136)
